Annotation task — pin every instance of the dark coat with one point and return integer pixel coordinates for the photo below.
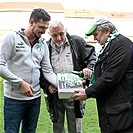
(83, 56)
(113, 86)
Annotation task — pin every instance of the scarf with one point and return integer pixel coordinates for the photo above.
(110, 37)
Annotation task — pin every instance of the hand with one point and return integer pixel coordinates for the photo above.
(83, 81)
(79, 95)
(87, 72)
(52, 89)
(26, 89)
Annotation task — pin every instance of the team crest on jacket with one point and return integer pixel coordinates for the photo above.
(39, 48)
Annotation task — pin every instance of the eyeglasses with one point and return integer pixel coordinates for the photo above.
(61, 34)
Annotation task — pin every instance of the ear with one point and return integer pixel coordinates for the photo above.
(31, 22)
(108, 31)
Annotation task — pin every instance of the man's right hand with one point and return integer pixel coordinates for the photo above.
(26, 89)
(52, 89)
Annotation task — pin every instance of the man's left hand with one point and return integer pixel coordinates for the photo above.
(87, 72)
(79, 95)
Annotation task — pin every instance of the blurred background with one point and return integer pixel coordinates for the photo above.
(76, 15)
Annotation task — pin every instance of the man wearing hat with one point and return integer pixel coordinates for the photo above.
(113, 78)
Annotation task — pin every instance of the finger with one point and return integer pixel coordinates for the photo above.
(31, 88)
(30, 94)
(51, 91)
(77, 98)
(55, 91)
(74, 96)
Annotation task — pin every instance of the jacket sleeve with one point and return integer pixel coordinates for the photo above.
(87, 54)
(91, 55)
(44, 84)
(46, 67)
(6, 50)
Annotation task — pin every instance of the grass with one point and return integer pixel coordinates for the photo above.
(89, 122)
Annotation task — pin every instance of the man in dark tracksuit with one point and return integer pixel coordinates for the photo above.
(79, 55)
(113, 78)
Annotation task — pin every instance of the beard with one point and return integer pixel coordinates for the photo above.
(35, 35)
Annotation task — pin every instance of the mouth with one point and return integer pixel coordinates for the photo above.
(59, 42)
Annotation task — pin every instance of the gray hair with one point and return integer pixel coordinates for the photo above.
(55, 23)
(104, 26)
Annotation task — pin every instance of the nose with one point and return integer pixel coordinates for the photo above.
(95, 38)
(58, 37)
